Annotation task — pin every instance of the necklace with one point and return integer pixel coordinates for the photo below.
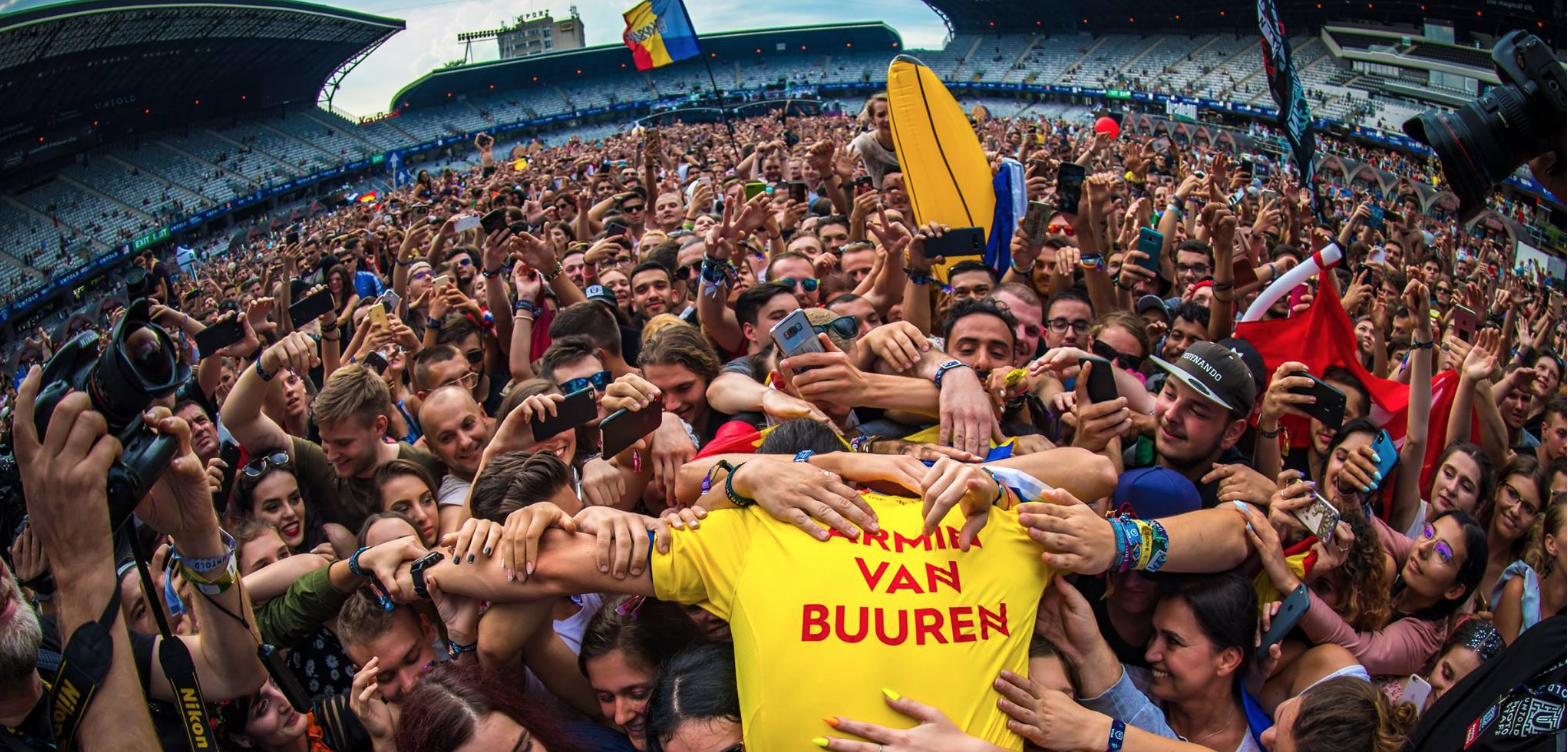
(1223, 729)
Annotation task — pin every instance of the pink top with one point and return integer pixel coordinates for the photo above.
(1401, 648)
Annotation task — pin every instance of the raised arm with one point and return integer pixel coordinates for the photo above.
(1407, 489)
(241, 411)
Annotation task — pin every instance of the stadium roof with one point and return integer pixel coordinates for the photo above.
(1545, 18)
(112, 61)
(725, 48)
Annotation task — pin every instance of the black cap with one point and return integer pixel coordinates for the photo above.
(1253, 359)
(1216, 372)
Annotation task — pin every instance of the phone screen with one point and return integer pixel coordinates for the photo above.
(307, 310)
(578, 408)
(1035, 221)
(220, 335)
(794, 336)
(1069, 187)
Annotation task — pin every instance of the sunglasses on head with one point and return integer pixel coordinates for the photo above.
(844, 326)
(259, 466)
(1127, 362)
(600, 382)
(809, 284)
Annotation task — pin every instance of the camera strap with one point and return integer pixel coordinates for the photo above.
(85, 662)
(175, 658)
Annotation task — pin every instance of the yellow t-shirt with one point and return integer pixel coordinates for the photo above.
(820, 628)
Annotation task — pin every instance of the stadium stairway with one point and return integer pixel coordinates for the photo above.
(106, 197)
(15, 203)
(216, 167)
(1317, 56)
(968, 55)
(1159, 40)
(129, 166)
(1070, 69)
(261, 124)
(1017, 64)
(245, 149)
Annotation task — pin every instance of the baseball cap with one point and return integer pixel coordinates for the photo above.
(1152, 302)
(600, 293)
(1155, 492)
(1253, 359)
(1216, 372)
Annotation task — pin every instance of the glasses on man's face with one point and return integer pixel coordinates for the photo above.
(808, 284)
(468, 380)
(636, 208)
(599, 381)
(844, 326)
(1125, 361)
(258, 467)
(1060, 325)
(421, 274)
(1198, 269)
(475, 357)
(1060, 229)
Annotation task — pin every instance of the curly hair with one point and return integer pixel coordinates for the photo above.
(1349, 713)
(1362, 583)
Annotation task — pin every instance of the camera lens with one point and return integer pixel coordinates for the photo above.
(1480, 143)
(139, 365)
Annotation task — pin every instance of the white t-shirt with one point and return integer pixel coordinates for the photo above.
(453, 491)
(876, 159)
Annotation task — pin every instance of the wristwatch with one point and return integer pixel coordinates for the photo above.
(417, 571)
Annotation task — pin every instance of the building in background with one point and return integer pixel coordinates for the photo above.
(538, 33)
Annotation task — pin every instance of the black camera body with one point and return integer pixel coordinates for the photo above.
(139, 365)
(1481, 143)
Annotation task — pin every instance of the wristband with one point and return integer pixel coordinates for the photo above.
(455, 650)
(1274, 434)
(1092, 261)
(1118, 735)
(353, 563)
(1419, 345)
(525, 305)
(918, 278)
(942, 370)
(488, 273)
(337, 335)
(861, 444)
(1022, 272)
(554, 272)
(211, 563)
(431, 323)
(1162, 545)
(1226, 285)
(263, 374)
(1172, 207)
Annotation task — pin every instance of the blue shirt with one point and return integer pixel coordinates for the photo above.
(367, 285)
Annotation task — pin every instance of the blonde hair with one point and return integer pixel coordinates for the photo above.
(352, 391)
(657, 324)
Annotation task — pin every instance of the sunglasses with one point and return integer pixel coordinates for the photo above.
(475, 356)
(1127, 362)
(636, 208)
(600, 382)
(421, 274)
(259, 467)
(1444, 552)
(1057, 229)
(808, 284)
(465, 261)
(844, 326)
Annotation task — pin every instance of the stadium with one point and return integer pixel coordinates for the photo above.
(182, 124)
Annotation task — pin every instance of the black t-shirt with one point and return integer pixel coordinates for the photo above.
(1210, 492)
(1512, 702)
(1093, 590)
(34, 733)
(167, 722)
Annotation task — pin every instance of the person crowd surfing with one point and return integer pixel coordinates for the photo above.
(707, 452)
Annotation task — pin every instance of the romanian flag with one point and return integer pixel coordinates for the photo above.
(659, 33)
(367, 198)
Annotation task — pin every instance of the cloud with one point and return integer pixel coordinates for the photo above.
(430, 39)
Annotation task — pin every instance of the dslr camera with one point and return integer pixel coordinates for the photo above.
(138, 365)
(1481, 143)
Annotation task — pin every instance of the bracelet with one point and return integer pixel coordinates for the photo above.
(488, 273)
(353, 563)
(1226, 285)
(1419, 345)
(729, 483)
(525, 305)
(942, 370)
(338, 336)
(1274, 434)
(211, 563)
(862, 444)
(1145, 544)
(1001, 490)
(1118, 735)
(554, 272)
(1162, 544)
(401, 262)
(263, 374)
(1022, 272)
(455, 650)
(918, 279)
(1094, 261)
(1172, 207)
(432, 323)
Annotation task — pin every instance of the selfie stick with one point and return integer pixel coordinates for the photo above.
(1281, 287)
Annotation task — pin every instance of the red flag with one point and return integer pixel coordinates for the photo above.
(1323, 336)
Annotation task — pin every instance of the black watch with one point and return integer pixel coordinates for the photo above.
(417, 571)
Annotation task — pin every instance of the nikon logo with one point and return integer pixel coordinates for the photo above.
(66, 705)
(195, 719)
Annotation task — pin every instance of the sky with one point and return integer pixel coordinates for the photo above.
(431, 37)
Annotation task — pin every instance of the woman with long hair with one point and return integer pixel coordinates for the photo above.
(696, 706)
(624, 651)
(267, 488)
(1342, 713)
(1463, 481)
(1533, 586)
(1517, 503)
(404, 487)
(458, 707)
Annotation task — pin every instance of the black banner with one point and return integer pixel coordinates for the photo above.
(1294, 118)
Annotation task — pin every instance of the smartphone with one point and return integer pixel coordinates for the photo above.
(1069, 187)
(1102, 379)
(797, 192)
(612, 229)
(959, 241)
(622, 428)
(1161, 144)
(1237, 197)
(578, 408)
(229, 452)
(1375, 221)
(1290, 612)
(1387, 454)
(311, 308)
(1329, 407)
(377, 316)
(1320, 517)
(753, 188)
(863, 184)
(1268, 194)
(291, 238)
(794, 336)
(1297, 295)
(1035, 221)
(441, 280)
(376, 362)
(1417, 691)
(494, 221)
(1150, 241)
(1242, 271)
(466, 222)
(226, 332)
(1464, 323)
(390, 301)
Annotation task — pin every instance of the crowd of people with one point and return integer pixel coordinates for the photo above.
(1071, 500)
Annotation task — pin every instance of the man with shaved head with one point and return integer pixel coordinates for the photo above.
(456, 432)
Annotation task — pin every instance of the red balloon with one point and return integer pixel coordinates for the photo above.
(1107, 125)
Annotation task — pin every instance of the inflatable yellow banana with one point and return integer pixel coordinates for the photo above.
(945, 171)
